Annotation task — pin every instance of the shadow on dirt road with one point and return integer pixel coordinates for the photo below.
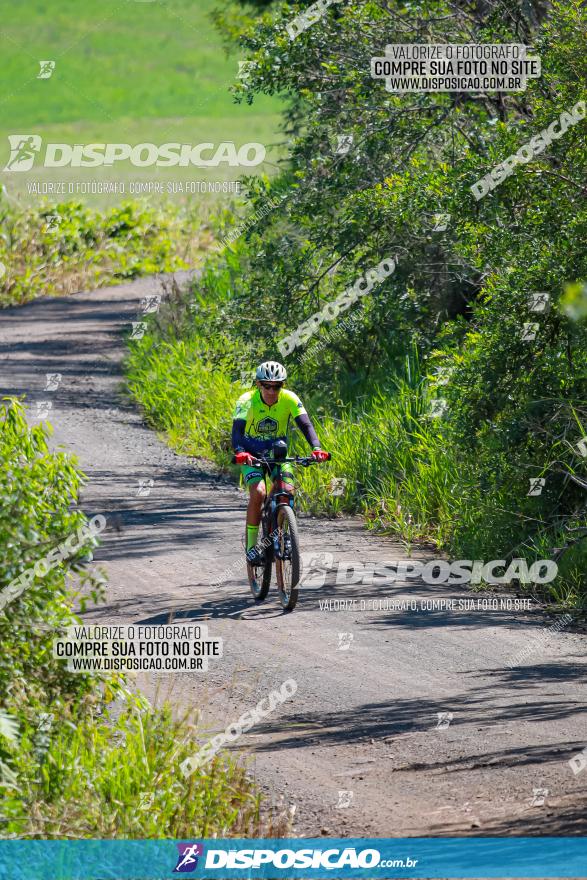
(405, 723)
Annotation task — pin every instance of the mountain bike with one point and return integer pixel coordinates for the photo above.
(280, 541)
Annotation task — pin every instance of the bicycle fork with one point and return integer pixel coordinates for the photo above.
(278, 552)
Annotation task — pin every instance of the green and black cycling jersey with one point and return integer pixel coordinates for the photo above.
(256, 426)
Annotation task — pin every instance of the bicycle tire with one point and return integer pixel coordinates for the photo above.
(288, 593)
(259, 583)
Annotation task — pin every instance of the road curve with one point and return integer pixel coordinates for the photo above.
(361, 749)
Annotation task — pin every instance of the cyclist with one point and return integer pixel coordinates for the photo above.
(261, 417)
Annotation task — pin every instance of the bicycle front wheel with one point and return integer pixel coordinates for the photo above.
(287, 562)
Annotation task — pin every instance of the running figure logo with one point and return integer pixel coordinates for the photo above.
(343, 144)
(46, 71)
(187, 860)
(23, 149)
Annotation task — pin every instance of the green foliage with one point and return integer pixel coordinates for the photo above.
(392, 455)
(182, 391)
(80, 755)
(116, 775)
(516, 407)
(66, 247)
(37, 513)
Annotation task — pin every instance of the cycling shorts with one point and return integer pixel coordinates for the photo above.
(253, 474)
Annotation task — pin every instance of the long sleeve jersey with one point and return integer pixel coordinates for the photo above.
(256, 426)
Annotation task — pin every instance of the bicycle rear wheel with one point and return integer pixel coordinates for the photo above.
(260, 575)
(287, 563)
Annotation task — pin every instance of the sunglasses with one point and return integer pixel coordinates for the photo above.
(276, 385)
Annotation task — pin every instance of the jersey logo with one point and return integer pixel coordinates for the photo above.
(267, 426)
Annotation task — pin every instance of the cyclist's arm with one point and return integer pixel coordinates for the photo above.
(307, 428)
(302, 420)
(241, 442)
(238, 435)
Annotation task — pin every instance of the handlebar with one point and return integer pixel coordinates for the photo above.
(305, 461)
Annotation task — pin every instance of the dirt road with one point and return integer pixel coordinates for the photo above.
(406, 723)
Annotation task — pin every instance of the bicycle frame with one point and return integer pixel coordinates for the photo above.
(282, 494)
(281, 544)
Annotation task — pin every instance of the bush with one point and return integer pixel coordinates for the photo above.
(66, 247)
(457, 305)
(80, 755)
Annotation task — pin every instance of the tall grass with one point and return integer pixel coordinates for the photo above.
(391, 456)
(63, 248)
(398, 468)
(393, 461)
(109, 778)
(183, 394)
(80, 754)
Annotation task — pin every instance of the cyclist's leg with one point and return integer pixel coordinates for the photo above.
(287, 479)
(253, 477)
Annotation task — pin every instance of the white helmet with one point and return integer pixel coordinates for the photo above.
(271, 371)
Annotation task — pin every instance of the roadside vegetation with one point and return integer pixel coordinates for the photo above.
(59, 249)
(80, 754)
(455, 408)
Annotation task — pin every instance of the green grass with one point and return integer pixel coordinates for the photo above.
(401, 467)
(127, 72)
(390, 454)
(115, 60)
(81, 755)
(88, 249)
(118, 777)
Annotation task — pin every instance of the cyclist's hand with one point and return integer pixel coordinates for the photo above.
(243, 458)
(320, 455)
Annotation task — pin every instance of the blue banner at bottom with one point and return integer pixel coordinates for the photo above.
(291, 858)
